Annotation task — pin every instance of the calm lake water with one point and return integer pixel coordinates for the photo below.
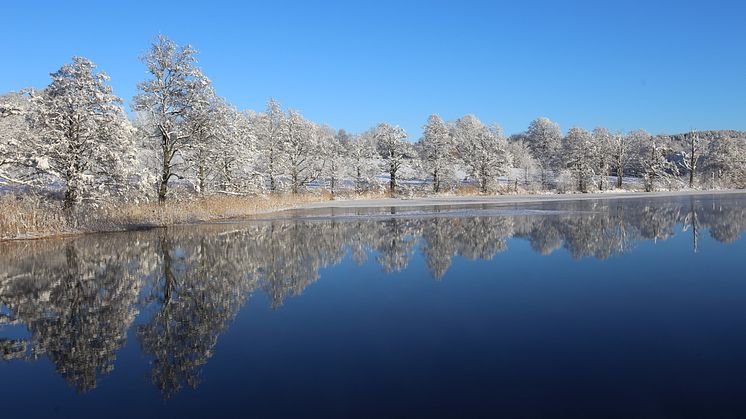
(598, 308)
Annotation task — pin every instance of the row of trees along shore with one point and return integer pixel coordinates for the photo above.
(74, 140)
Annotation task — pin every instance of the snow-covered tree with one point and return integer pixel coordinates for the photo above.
(692, 154)
(234, 145)
(622, 152)
(362, 152)
(523, 159)
(268, 128)
(167, 98)
(8, 109)
(218, 142)
(84, 133)
(544, 137)
(393, 149)
(335, 147)
(199, 153)
(726, 161)
(581, 154)
(482, 149)
(436, 150)
(603, 143)
(18, 144)
(302, 150)
(654, 163)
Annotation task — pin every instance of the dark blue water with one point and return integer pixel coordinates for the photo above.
(614, 308)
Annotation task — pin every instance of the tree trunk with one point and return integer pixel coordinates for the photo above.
(201, 178)
(691, 176)
(695, 229)
(436, 181)
(165, 170)
(392, 182)
(295, 182)
(359, 180)
(619, 178)
(271, 172)
(71, 195)
(543, 178)
(163, 188)
(227, 179)
(693, 156)
(168, 274)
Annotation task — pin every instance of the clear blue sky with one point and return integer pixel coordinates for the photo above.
(667, 66)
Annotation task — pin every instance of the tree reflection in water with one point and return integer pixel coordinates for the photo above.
(77, 298)
(198, 290)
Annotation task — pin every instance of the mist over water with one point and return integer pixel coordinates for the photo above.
(618, 307)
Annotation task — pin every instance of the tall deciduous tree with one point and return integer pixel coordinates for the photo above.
(335, 147)
(692, 154)
(654, 163)
(544, 137)
(483, 149)
(603, 143)
(361, 152)
(83, 130)
(436, 150)
(168, 97)
(18, 144)
(622, 152)
(268, 128)
(581, 157)
(523, 159)
(200, 151)
(726, 160)
(234, 144)
(219, 142)
(302, 149)
(393, 149)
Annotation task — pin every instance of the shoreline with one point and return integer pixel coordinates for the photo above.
(317, 209)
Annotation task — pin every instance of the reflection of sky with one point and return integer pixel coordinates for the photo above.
(12, 331)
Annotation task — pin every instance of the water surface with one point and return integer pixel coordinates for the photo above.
(601, 308)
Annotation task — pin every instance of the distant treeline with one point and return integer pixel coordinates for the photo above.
(74, 139)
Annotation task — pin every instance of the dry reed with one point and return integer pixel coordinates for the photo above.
(30, 216)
